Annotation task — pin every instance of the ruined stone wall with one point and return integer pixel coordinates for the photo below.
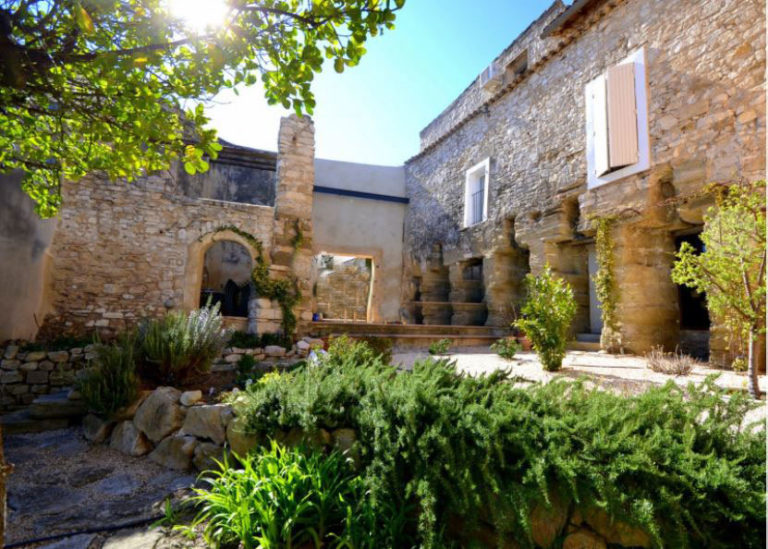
(706, 71)
(123, 251)
(342, 292)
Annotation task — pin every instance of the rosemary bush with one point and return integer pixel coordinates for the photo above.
(111, 382)
(180, 344)
(435, 445)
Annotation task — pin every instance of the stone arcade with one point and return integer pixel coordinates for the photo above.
(620, 109)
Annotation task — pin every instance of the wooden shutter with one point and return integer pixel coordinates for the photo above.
(599, 129)
(622, 116)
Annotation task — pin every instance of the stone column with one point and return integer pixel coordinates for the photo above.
(292, 233)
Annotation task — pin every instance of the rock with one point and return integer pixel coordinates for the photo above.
(121, 484)
(11, 351)
(126, 438)
(160, 414)
(314, 342)
(35, 377)
(134, 539)
(46, 365)
(10, 364)
(89, 475)
(74, 394)
(318, 439)
(344, 439)
(583, 539)
(95, 429)
(188, 398)
(205, 454)
(80, 541)
(240, 441)
(29, 366)
(302, 345)
(56, 405)
(219, 367)
(547, 522)
(232, 359)
(175, 452)
(10, 377)
(58, 356)
(616, 531)
(206, 421)
(35, 356)
(274, 350)
(129, 411)
(76, 351)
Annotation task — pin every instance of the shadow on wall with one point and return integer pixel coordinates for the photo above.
(24, 243)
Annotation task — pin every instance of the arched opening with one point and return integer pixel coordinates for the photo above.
(226, 277)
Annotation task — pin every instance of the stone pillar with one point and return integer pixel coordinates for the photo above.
(647, 309)
(292, 233)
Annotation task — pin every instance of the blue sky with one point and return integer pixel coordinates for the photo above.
(373, 113)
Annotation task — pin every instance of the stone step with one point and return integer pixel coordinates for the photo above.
(22, 421)
(588, 338)
(325, 328)
(56, 406)
(583, 346)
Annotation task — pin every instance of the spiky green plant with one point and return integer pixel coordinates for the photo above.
(111, 382)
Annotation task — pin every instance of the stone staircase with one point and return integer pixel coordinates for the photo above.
(46, 413)
(585, 342)
(411, 335)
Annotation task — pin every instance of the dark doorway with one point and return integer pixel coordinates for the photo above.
(693, 305)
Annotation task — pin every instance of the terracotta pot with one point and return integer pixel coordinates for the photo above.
(524, 342)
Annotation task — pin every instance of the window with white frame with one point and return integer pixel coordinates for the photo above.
(617, 122)
(476, 193)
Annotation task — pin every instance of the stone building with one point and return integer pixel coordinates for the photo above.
(619, 109)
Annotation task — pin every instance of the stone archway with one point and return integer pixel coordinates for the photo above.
(193, 275)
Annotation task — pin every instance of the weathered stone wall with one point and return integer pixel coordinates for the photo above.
(126, 251)
(342, 292)
(706, 74)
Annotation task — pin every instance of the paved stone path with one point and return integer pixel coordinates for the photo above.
(62, 484)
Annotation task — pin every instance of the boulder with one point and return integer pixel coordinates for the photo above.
(29, 366)
(615, 531)
(126, 438)
(175, 452)
(188, 398)
(129, 411)
(274, 350)
(302, 345)
(11, 351)
(206, 421)
(240, 441)
(97, 429)
(160, 414)
(58, 356)
(46, 365)
(232, 358)
(35, 356)
(10, 364)
(10, 377)
(548, 521)
(583, 539)
(206, 455)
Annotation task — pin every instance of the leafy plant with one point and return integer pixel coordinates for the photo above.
(731, 270)
(381, 346)
(440, 347)
(506, 348)
(287, 498)
(244, 340)
(437, 448)
(180, 344)
(111, 383)
(605, 282)
(547, 316)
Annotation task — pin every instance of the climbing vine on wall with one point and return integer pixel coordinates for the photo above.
(284, 291)
(605, 281)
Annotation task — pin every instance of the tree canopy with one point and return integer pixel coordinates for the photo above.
(118, 86)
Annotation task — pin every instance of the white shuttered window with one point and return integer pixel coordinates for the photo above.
(617, 122)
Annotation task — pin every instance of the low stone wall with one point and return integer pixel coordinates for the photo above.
(25, 375)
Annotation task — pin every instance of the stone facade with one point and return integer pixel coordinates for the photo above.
(706, 108)
(342, 290)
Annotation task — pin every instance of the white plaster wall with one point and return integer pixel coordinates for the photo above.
(363, 227)
(24, 243)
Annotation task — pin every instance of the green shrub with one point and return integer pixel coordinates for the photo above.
(381, 346)
(111, 383)
(547, 316)
(674, 462)
(245, 340)
(180, 344)
(440, 347)
(286, 498)
(506, 348)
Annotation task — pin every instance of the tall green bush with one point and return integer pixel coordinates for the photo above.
(442, 448)
(547, 316)
(179, 345)
(111, 383)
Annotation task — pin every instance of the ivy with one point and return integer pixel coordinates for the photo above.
(284, 291)
(605, 281)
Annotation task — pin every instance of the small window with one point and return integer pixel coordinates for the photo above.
(617, 122)
(476, 194)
